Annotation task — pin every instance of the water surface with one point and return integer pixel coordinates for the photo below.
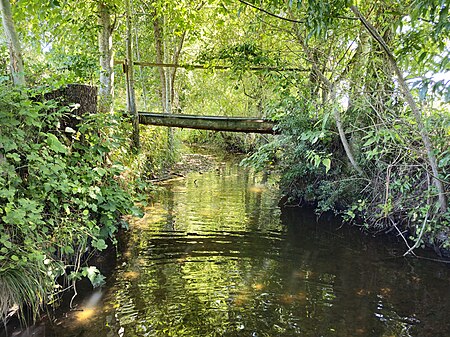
(215, 256)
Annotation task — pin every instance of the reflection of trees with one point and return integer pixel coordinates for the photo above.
(372, 296)
(231, 269)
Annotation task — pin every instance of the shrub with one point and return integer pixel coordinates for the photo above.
(60, 197)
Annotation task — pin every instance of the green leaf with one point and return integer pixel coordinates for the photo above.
(54, 144)
(94, 275)
(370, 141)
(422, 57)
(327, 163)
(68, 129)
(14, 156)
(423, 91)
(99, 244)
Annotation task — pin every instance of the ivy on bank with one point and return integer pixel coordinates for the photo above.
(60, 196)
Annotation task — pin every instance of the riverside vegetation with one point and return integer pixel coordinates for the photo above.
(61, 198)
(360, 94)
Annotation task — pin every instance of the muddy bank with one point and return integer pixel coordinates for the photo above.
(198, 159)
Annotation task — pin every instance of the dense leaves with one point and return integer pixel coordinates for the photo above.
(349, 143)
(60, 196)
(352, 91)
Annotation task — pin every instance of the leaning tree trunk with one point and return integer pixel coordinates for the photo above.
(412, 105)
(332, 88)
(106, 88)
(15, 51)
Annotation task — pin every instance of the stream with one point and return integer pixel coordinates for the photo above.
(214, 255)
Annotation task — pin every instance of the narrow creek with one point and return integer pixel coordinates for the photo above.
(215, 256)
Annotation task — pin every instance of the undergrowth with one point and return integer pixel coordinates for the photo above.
(61, 198)
(394, 193)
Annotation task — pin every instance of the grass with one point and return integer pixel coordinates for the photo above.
(22, 292)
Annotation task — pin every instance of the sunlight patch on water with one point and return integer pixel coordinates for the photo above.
(89, 308)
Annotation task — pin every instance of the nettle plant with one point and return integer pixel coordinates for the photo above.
(60, 197)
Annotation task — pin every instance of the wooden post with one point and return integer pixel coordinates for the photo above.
(129, 74)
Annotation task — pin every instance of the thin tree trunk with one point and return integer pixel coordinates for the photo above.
(15, 51)
(168, 94)
(345, 144)
(176, 57)
(160, 57)
(331, 87)
(131, 98)
(106, 88)
(141, 71)
(412, 105)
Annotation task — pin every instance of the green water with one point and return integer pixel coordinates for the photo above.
(215, 256)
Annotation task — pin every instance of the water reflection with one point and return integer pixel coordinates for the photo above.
(216, 257)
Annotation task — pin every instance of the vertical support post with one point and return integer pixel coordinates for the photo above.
(168, 93)
(129, 73)
(168, 106)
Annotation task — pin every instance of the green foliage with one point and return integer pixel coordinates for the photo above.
(395, 188)
(24, 286)
(155, 158)
(60, 194)
(239, 56)
(307, 155)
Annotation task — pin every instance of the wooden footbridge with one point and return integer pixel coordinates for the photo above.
(215, 123)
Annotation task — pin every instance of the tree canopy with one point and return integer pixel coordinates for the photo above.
(360, 92)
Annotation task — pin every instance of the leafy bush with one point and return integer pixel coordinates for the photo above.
(395, 191)
(60, 196)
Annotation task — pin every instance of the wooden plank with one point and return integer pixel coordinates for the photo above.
(215, 123)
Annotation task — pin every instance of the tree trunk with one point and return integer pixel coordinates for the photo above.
(157, 30)
(412, 105)
(176, 57)
(166, 74)
(331, 88)
(106, 88)
(142, 76)
(15, 51)
(129, 71)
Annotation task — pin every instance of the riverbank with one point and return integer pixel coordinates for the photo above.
(60, 201)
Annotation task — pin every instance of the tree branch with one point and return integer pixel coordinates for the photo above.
(288, 19)
(412, 105)
(269, 13)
